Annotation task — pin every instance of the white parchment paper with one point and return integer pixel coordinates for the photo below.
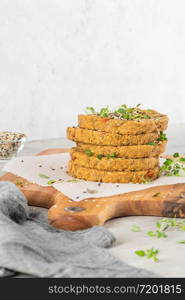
(46, 168)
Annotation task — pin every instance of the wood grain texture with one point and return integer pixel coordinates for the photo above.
(70, 215)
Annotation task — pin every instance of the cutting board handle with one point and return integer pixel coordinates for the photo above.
(166, 201)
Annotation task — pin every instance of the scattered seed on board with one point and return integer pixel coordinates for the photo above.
(91, 191)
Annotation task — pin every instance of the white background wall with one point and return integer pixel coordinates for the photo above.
(59, 56)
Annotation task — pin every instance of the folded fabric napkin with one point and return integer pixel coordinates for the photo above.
(29, 245)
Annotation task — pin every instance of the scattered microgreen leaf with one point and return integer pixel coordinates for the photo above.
(51, 181)
(104, 112)
(182, 227)
(151, 143)
(152, 253)
(146, 180)
(113, 155)
(160, 231)
(140, 252)
(90, 110)
(73, 180)
(162, 136)
(43, 176)
(146, 117)
(151, 233)
(158, 224)
(88, 152)
(176, 154)
(156, 194)
(18, 182)
(168, 223)
(168, 162)
(160, 234)
(100, 156)
(149, 253)
(135, 228)
(181, 242)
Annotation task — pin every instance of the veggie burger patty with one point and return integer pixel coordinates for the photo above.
(112, 176)
(157, 122)
(135, 151)
(112, 163)
(95, 137)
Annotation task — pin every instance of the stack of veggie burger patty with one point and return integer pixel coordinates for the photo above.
(118, 146)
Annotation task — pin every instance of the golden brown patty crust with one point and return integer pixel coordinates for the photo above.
(158, 122)
(112, 176)
(136, 151)
(95, 137)
(112, 164)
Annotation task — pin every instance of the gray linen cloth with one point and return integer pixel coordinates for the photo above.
(29, 245)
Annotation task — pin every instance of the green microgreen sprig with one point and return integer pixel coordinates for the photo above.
(149, 253)
(43, 176)
(162, 137)
(113, 155)
(161, 227)
(165, 224)
(151, 143)
(88, 152)
(136, 228)
(50, 182)
(90, 110)
(99, 156)
(174, 166)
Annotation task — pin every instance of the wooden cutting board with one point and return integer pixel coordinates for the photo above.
(165, 201)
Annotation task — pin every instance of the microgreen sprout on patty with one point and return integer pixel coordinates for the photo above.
(100, 156)
(122, 112)
(162, 137)
(88, 152)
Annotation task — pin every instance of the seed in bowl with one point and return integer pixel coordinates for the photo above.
(10, 144)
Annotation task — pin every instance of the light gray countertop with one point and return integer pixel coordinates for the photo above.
(171, 256)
